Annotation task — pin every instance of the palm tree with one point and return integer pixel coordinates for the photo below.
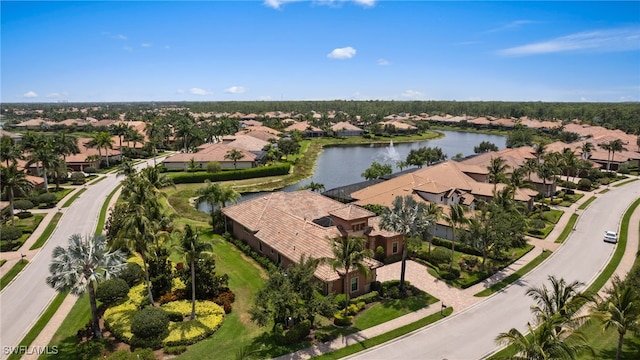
(621, 311)
(9, 150)
(313, 186)
(569, 162)
(193, 249)
(497, 171)
(234, 155)
(456, 219)
(615, 146)
(435, 213)
(138, 234)
(348, 253)
(216, 196)
(408, 218)
(540, 150)
(157, 179)
(102, 140)
(65, 144)
(43, 157)
(559, 304)
(119, 130)
(83, 264)
(530, 166)
(126, 167)
(13, 181)
(58, 170)
(542, 343)
(586, 149)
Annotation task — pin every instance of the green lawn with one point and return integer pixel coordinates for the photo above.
(103, 211)
(28, 225)
(65, 337)
(12, 273)
(515, 276)
(567, 229)
(47, 232)
(72, 198)
(586, 203)
(2, 261)
(60, 194)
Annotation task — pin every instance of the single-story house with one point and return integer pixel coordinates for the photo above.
(344, 129)
(212, 152)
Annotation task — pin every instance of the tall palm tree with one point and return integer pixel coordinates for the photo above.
(13, 181)
(621, 311)
(157, 179)
(407, 217)
(558, 304)
(569, 162)
(42, 157)
(10, 151)
(497, 171)
(615, 146)
(234, 155)
(540, 150)
(456, 219)
(435, 213)
(138, 234)
(102, 140)
(530, 166)
(58, 170)
(193, 248)
(216, 196)
(587, 148)
(83, 264)
(120, 130)
(65, 144)
(542, 343)
(349, 253)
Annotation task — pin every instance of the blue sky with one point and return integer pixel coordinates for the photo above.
(320, 50)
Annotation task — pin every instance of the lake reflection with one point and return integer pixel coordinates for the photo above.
(342, 165)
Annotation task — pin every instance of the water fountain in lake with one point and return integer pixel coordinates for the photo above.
(390, 153)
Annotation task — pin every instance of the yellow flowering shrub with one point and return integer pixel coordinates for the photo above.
(136, 259)
(177, 284)
(209, 316)
(117, 319)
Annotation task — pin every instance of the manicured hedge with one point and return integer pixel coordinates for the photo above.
(201, 176)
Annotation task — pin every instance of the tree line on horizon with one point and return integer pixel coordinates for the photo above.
(623, 115)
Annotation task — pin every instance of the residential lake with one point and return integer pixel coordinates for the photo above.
(343, 165)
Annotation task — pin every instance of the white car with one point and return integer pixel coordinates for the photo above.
(611, 236)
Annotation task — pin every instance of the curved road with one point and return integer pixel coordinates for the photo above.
(470, 334)
(24, 300)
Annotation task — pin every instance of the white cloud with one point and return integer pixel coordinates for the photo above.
(198, 91)
(591, 41)
(366, 3)
(277, 4)
(342, 53)
(383, 62)
(411, 94)
(30, 94)
(235, 90)
(145, 45)
(512, 25)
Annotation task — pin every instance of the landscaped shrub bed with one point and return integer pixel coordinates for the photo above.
(200, 177)
(209, 316)
(181, 331)
(264, 261)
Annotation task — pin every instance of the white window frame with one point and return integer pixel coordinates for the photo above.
(357, 283)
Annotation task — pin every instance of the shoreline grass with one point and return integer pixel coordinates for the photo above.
(42, 239)
(72, 198)
(515, 276)
(567, 229)
(40, 324)
(586, 203)
(12, 273)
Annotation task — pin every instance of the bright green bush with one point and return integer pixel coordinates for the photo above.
(174, 350)
(9, 233)
(77, 178)
(584, 184)
(90, 170)
(111, 291)
(132, 274)
(339, 319)
(367, 298)
(47, 198)
(149, 326)
(23, 204)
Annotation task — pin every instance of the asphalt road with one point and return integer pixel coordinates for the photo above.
(26, 298)
(470, 334)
